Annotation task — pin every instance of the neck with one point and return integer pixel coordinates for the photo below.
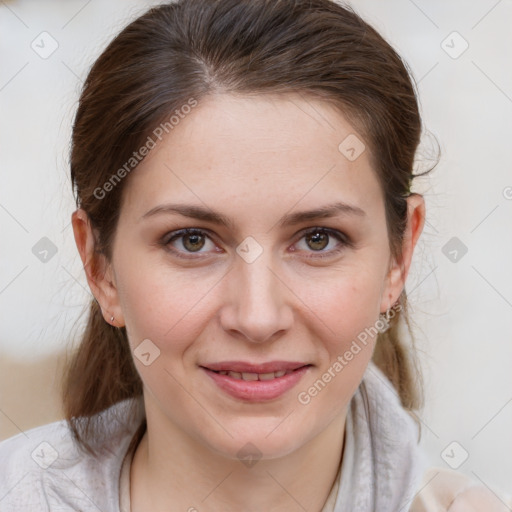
(170, 467)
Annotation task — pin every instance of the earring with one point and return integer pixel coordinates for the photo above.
(383, 321)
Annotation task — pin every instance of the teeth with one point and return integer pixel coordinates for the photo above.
(249, 376)
(255, 376)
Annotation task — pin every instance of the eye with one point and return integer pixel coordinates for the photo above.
(324, 242)
(321, 242)
(188, 241)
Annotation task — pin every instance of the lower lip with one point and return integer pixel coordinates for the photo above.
(257, 390)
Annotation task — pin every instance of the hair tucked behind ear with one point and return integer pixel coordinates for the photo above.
(179, 53)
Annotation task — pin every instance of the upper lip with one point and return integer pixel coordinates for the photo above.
(247, 367)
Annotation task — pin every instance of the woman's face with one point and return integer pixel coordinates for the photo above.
(271, 283)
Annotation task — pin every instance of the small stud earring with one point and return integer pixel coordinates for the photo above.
(384, 318)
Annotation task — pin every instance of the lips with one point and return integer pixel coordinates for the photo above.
(249, 376)
(259, 368)
(256, 382)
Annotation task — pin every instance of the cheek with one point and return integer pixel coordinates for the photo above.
(165, 306)
(346, 304)
(349, 310)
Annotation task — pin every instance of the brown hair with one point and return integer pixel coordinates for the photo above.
(194, 48)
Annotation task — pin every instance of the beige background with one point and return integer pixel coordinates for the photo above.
(30, 392)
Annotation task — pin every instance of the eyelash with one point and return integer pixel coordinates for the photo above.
(343, 240)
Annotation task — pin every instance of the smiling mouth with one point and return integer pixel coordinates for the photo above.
(256, 382)
(255, 376)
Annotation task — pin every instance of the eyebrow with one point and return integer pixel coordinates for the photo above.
(291, 219)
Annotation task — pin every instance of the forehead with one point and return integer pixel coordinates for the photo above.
(256, 152)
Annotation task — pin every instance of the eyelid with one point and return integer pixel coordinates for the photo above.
(341, 237)
(179, 233)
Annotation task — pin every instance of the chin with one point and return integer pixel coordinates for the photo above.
(260, 440)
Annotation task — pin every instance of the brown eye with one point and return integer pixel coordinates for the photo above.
(193, 242)
(317, 240)
(324, 242)
(188, 241)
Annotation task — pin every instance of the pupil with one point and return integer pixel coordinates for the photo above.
(319, 240)
(189, 242)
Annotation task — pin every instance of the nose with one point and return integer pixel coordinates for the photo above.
(257, 308)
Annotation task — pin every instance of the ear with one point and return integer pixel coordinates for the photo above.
(98, 269)
(399, 270)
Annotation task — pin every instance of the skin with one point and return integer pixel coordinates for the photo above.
(254, 160)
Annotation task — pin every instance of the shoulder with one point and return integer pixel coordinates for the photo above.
(23, 458)
(43, 469)
(446, 490)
